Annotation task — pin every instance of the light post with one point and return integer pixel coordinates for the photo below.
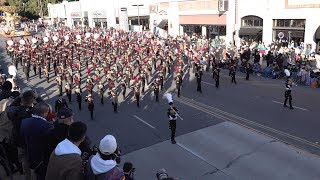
(138, 5)
(23, 8)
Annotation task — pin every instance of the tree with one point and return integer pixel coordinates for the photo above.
(32, 8)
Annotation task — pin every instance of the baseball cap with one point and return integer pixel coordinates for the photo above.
(64, 113)
(108, 145)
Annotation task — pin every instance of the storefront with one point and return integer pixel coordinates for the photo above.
(293, 30)
(99, 18)
(144, 21)
(210, 26)
(212, 31)
(251, 28)
(76, 18)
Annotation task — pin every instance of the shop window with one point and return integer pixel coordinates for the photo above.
(250, 21)
(294, 23)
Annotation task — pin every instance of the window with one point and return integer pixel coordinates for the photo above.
(293, 23)
(251, 21)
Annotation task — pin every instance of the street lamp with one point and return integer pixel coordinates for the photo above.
(23, 8)
(138, 5)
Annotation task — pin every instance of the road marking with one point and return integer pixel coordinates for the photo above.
(293, 106)
(208, 83)
(229, 117)
(194, 153)
(144, 122)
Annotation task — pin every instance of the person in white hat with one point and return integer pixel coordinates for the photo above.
(104, 165)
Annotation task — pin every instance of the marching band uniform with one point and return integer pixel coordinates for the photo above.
(137, 95)
(156, 90)
(90, 102)
(114, 100)
(78, 97)
(178, 83)
(68, 90)
(101, 91)
(59, 83)
(26, 69)
(199, 77)
(46, 73)
(233, 74)
(216, 73)
(172, 115)
(124, 88)
(287, 93)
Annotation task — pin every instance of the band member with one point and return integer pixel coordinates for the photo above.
(247, 71)
(89, 85)
(26, 69)
(172, 115)
(161, 80)
(178, 83)
(287, 93)
(101, 91)
(156, 90)
(233, 74)
(136, 91)
(59, 83)
(124, 88)
(34, 68)
(114, 100)
(46, 73)
(78, 96)
(60, 103)
(89, 100)
(143, 81)
(68, 90)
(199, 77)
(39, 69)
(216, 73)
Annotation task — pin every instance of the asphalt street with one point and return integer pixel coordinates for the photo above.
(255, 104)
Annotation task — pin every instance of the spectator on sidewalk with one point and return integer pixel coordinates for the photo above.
(128, 170)
(34, 131)
(103, 165)
(60, 132)
(65, 161)
(6, 90)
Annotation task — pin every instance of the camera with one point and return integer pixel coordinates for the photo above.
(162, 174)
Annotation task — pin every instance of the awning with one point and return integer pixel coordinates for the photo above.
(163, 23)
(317, 34)
(250, 31)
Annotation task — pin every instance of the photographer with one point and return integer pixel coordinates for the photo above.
(103, 165)
(128, 170)
(162, 175)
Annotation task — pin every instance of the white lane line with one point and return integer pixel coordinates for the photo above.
(144, 122)
(208, 83)
(293, 106)
(194, 153)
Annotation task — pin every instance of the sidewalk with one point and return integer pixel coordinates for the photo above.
(222, 152)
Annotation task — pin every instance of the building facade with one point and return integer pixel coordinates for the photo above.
(203, 17)
(269, 20)
(251, 20)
